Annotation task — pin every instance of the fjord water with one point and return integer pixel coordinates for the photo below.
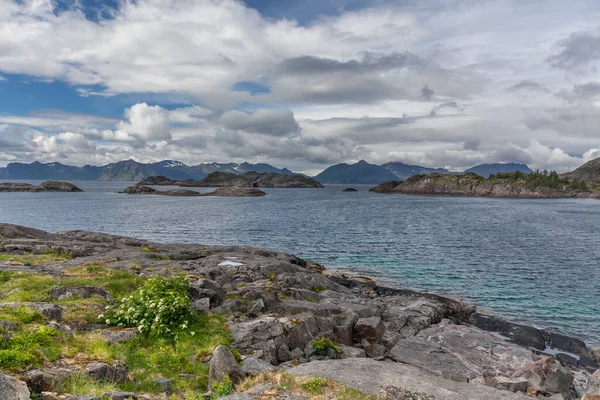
(533, 261)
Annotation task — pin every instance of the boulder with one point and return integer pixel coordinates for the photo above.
(370, 329)
(253, 366)
(13, 389)
(119, 336)
(46, 380)
(256, 308)
(164, 384)
(202, 288)
(351, 352)
(592, 392)
(201, 305)
(297, 354)
(224, 364)
(546, 376)
(343, 328)
(105, 372)
(85, 292)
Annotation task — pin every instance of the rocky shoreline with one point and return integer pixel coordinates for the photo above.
(472, 185)
(385, 342)
(229, 191)
(48, 186)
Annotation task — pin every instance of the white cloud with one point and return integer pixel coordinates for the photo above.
(149, 123)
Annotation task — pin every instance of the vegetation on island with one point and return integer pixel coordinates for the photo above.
(539, 179)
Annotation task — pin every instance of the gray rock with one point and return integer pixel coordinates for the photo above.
(461, 352)
(123, 396)
(245, 333)
(46, 380)
(592, 392)
(296, 354)
(546, 375)
(9, 326)
(224, 364)
(256, 308)
(201, 305)
(309, 350)
(238, 396)
(370, 329)
(120, 336)
(284, 354)
(343, 328)
(254, 366)
(232, 306)
(187, 377)
(510, 384)
(351, 352)
(164, 384)
(13, 389)
(104, 372)
(85, 292)
(595, 350)
(372, 377)
(202, 288)
(81, 397)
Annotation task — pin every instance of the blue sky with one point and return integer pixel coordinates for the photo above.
(302, 84)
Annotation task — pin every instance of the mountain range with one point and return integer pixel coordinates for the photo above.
(129, 170)
(361, 172)
(364, 173)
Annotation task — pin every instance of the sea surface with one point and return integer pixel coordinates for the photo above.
(533, 261)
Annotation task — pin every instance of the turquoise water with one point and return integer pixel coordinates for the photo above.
(534, 261)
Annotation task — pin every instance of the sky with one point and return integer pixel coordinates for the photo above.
(301, 83)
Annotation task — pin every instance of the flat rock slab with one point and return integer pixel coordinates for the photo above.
(373, 377)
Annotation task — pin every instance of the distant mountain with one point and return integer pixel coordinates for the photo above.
(360, 173)
(588, 173)
(129, 170)
(405, 171)
(486, 170)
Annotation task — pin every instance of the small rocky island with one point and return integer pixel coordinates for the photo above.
(48, 186)
(231, 191)
(509, 184)
(89, 315)
(350, 190)
(248, 179)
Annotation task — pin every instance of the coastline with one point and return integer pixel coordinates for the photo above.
(276, 305)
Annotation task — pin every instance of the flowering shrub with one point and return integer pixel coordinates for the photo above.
(160, 308)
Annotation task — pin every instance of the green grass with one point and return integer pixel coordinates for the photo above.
(36, 259)
(32, 347)
(25, 286)
(23, 315)
(318, 289)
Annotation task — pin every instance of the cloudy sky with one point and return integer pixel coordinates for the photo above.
(301, 83)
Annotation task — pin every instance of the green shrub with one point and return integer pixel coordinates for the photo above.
(161, 308)
(314, 385)
(321, 346)
(222, 389)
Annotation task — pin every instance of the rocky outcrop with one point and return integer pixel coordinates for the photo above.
(374, 377)
(224, 192)
(588, 173)
(157, 181)
(259, 180)
(13, 389)
(48, 186)
(350, 190)
(472, 185)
